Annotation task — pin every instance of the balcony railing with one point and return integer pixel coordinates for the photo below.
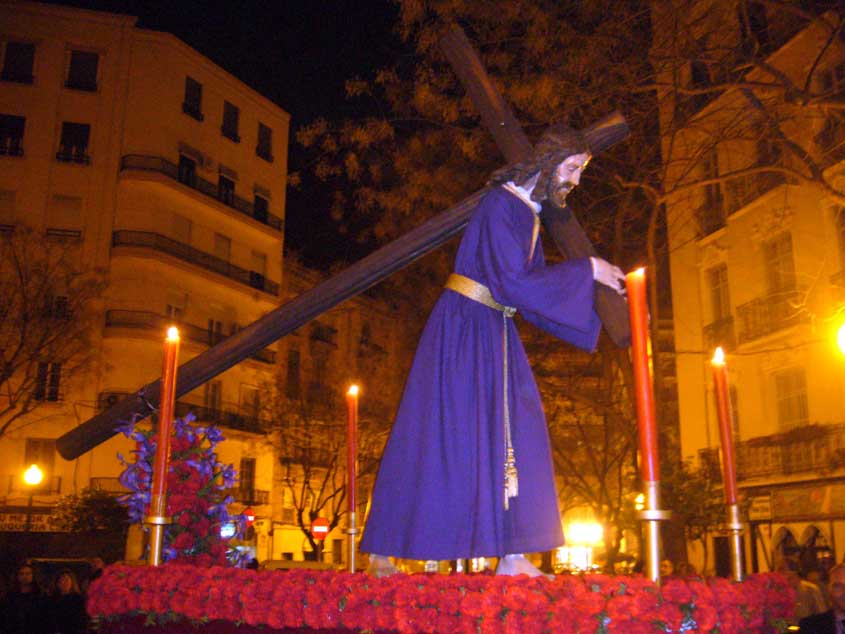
(152, 321)
(50, 485)
(163, 166)
(108, 485)
(229, 417)
(250, 497)
(765, 315)
(158, 242)
(810, 449)
(741, 191)
(720, 333)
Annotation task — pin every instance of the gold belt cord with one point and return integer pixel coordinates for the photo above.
(480, 293)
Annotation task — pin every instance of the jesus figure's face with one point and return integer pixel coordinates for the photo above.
(566, 176)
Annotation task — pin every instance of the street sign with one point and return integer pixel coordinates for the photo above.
(320, 528)
(760, 509)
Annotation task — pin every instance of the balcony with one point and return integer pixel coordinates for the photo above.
(108, 485)
(230, 417)
(159, 323)
(743, 190)
(50, 485)
(720, 333)
(812, 449)
(197, 183)
(250, 497)
(765, 315)
(187, 253)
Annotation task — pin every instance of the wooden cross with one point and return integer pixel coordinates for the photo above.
(370, 270)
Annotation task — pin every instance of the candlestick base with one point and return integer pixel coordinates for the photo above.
(654, 515)
(158, 520)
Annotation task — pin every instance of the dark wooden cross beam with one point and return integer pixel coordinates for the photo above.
(562, 225)
(286, 318)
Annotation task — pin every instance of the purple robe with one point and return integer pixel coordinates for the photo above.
(440, 488)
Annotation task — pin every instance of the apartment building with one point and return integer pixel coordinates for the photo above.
(168, 174)
(753, 146)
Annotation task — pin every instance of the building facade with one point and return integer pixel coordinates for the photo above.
(166, 175)
(755, 215)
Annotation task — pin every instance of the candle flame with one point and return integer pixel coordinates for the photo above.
(173, 333)
(353, 390)
(640, 272)
(718, 356)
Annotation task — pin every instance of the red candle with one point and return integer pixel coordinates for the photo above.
(165, 418)
(725, 412)
(352, 442)
(640, 350)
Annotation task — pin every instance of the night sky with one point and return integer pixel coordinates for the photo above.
(298, 53)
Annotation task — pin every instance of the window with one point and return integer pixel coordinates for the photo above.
(250, 401)
(230, 122)
(41, 452)
(48, 381)
(780, 268)
(18, 61)
(226, 190)
(258, 270)
(711, 214)
(264, 149)
(64, 216)
(292, 385)
(215, 332)
(182, 228)
(11, 134)
(260, 208)
(791, 394)
(720, 302)
(56, 307)
(73, 146)
(187, 171)
(173, 313)
(213, 393)
(246, 479)
(193, 99)
(222, 246)
(82, 71)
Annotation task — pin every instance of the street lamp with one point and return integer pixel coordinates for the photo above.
(32, 477)
(840, 338)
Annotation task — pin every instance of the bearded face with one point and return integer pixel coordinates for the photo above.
(566, 177)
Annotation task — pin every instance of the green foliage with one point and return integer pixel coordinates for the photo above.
(695, 497)
(91, 510)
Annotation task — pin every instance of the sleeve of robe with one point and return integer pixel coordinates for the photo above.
(558, 298)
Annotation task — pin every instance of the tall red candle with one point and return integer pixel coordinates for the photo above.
(725, 413)
(640, 351)
(165, 418)
(352, 442)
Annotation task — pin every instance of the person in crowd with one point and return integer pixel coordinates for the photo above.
(25, 610)
(67, 605)
(808, 596)
(667, 569)
(831, 621)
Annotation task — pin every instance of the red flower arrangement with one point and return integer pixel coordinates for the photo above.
(428, 604)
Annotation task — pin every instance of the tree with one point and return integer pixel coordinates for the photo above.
(661, 64)
(311, 435)
(47, 313)
(695, 497)
(91, 510)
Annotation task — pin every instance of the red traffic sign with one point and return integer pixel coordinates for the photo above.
(320, 528)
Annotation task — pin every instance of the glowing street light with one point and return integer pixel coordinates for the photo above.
(32, 477)
(840, 338)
